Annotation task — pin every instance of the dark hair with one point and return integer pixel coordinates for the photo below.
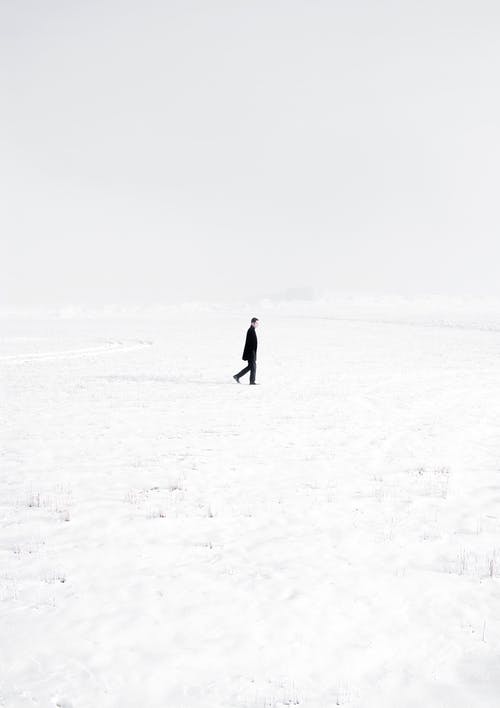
(254, 320)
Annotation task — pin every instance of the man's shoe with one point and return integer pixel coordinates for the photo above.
(253, 383)
(236, 378)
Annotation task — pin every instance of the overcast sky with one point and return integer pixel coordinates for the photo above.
(169, 150)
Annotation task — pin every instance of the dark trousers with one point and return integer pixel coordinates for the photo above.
(252, 368)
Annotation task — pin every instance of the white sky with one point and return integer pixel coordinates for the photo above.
(160, 151)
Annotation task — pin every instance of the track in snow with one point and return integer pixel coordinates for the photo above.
(111, 347)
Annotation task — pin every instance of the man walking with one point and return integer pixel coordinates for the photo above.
(250, 353)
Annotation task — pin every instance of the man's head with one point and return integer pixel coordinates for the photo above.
(255, 322)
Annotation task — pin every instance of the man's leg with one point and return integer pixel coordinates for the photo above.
(243, 371)
(253, 369)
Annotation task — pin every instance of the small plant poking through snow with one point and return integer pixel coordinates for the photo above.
(177, 485)
(158, 502)
(57, 500)
(282, 696)
(31, 547)
(434, 483)
(158, 513)
(470, 563)
(136, 496)
(33, 499)
(55, 577)
(9, 588)
(406, 484)
(343, 696)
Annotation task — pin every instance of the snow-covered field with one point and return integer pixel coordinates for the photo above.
(173, 540)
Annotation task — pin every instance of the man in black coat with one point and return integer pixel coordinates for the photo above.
(250, 353)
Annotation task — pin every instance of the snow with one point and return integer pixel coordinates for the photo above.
(331, 537)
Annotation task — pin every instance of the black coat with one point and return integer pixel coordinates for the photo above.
(250, 350)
